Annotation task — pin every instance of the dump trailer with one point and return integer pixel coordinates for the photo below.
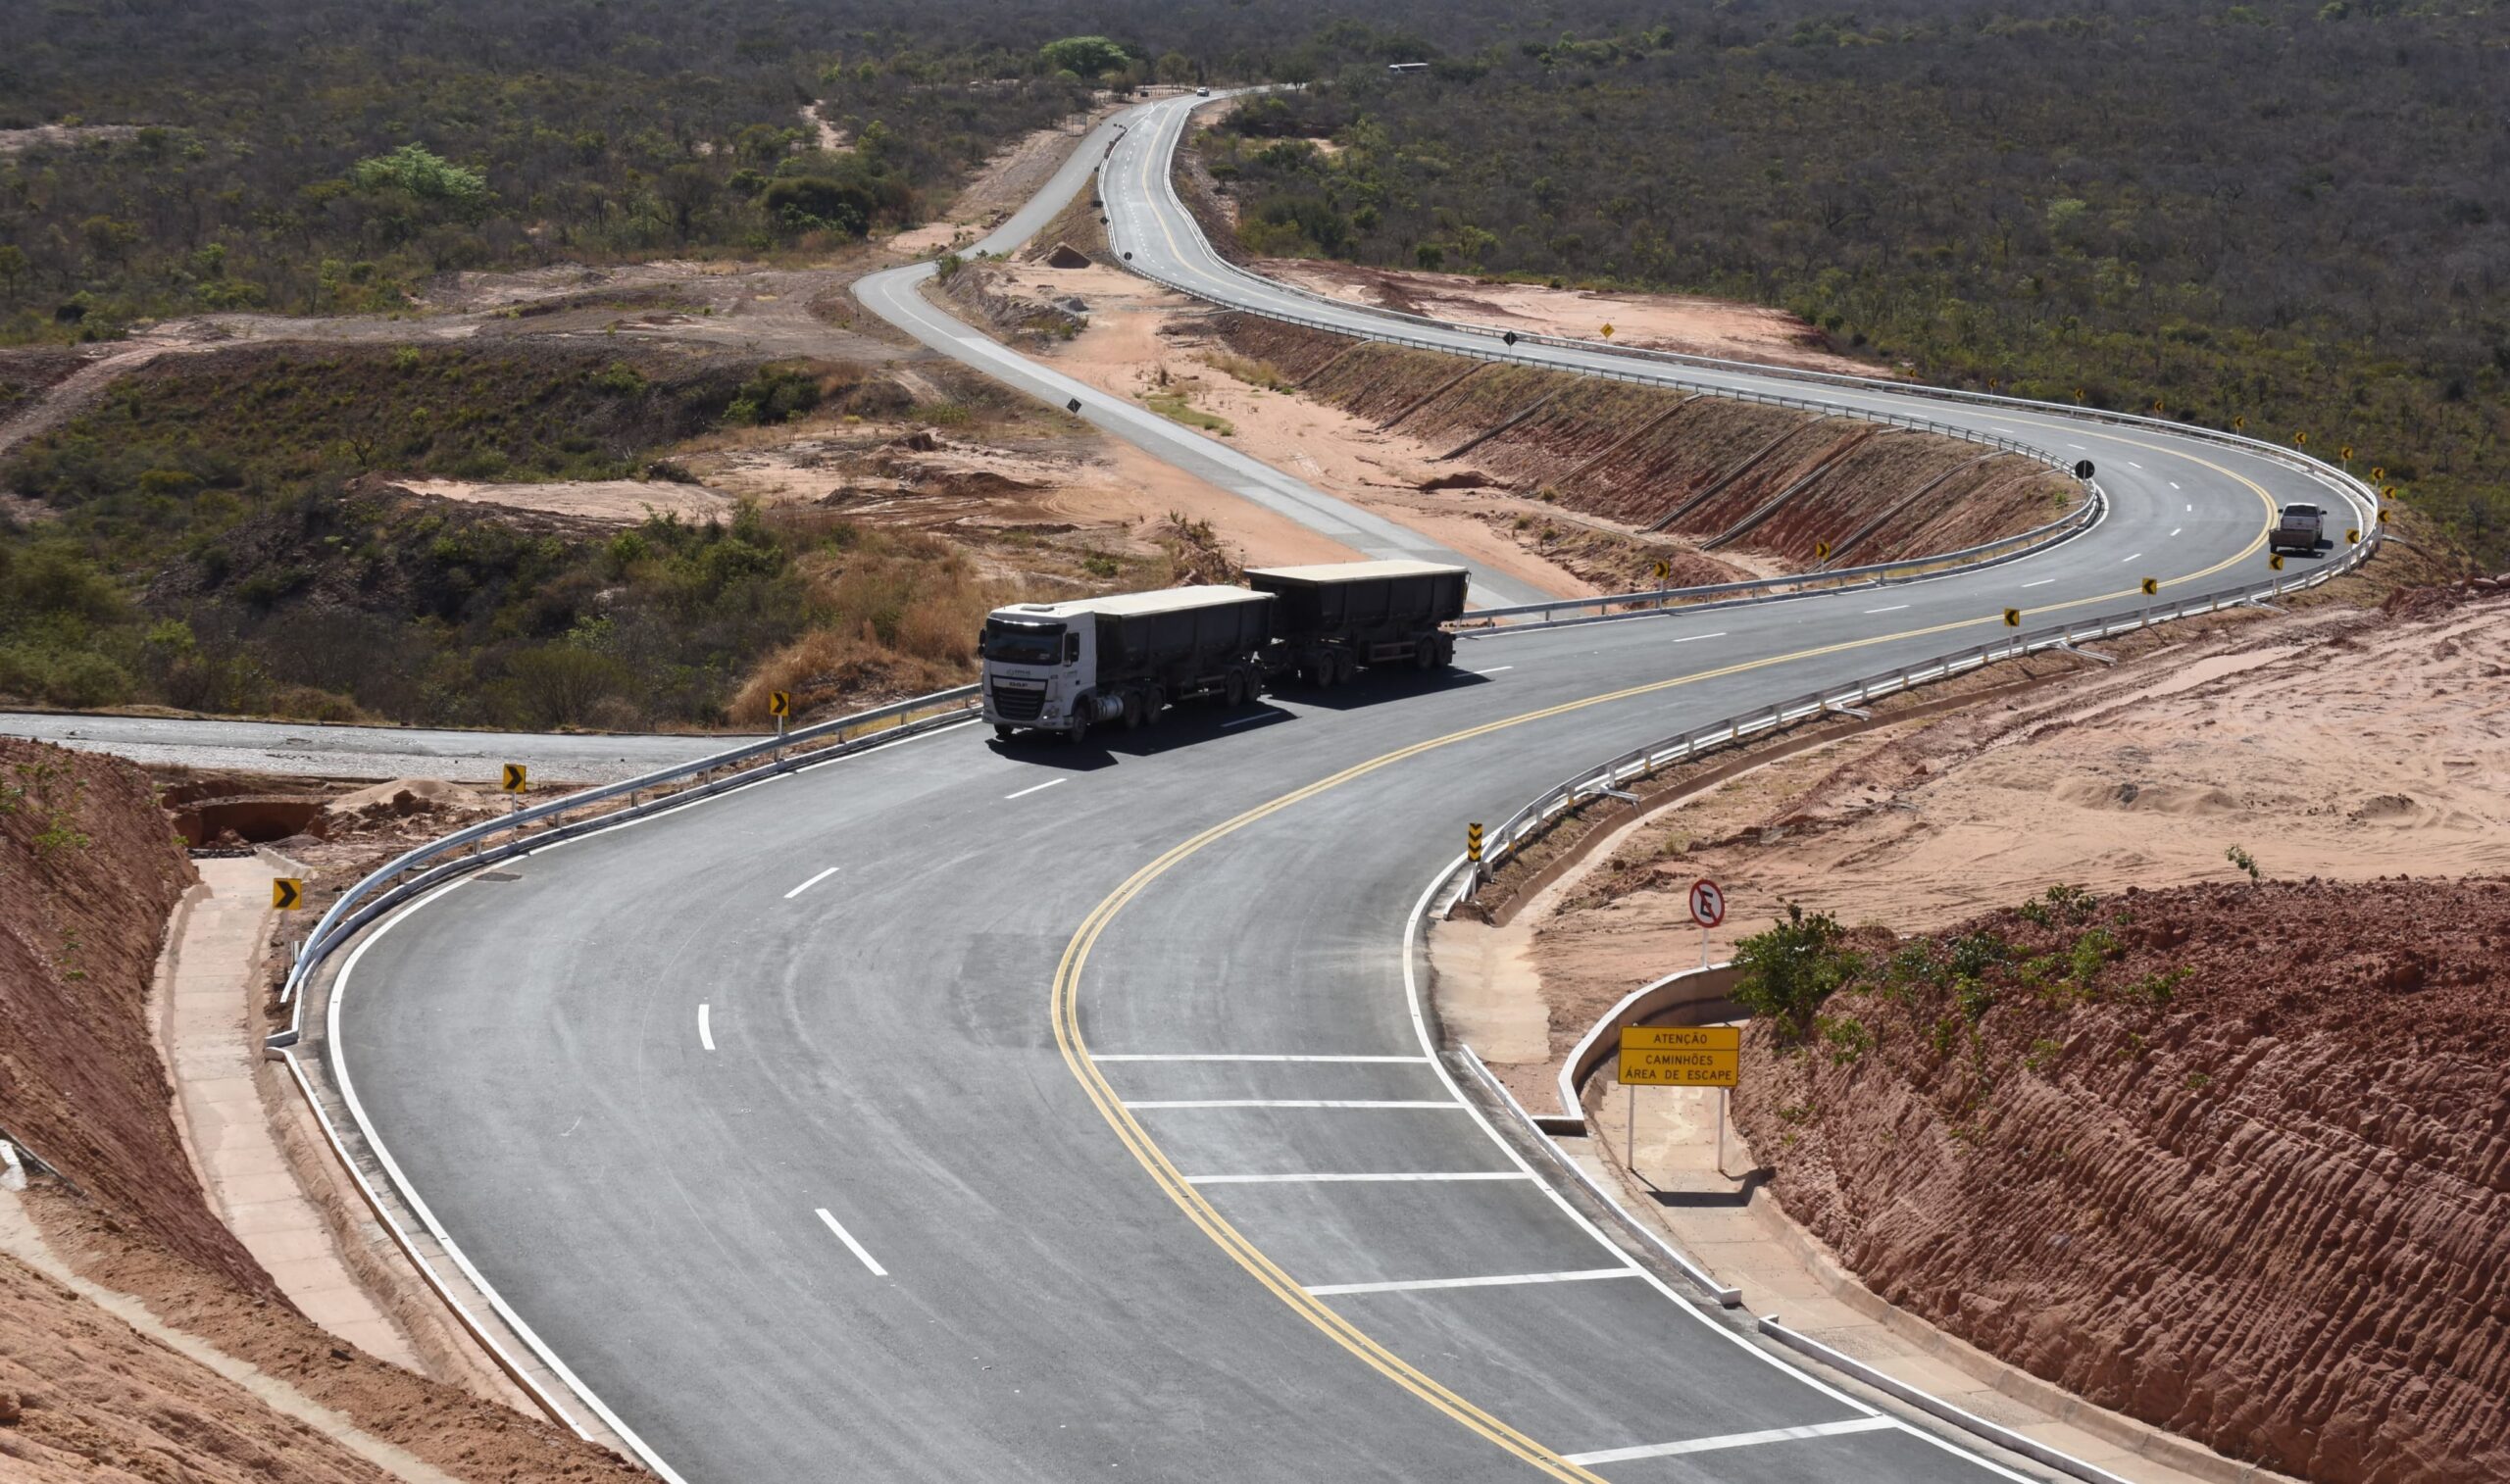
(1331, 619)
(1068, 667)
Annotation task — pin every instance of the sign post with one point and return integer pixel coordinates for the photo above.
(780, 705)
(1679, 1055)
(516, 779)
(1707, 909)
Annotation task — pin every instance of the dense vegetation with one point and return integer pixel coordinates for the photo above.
(212, 543)
(319, 156)
(2296, 214)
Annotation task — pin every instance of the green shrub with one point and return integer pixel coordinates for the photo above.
(1787, 971)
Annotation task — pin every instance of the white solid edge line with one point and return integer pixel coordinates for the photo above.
(705, 1027)
(1496, 1280)
(1730, 1440)
(435, 1228)
(408, 1192)
(812, 881)
(1026, 792)
(1420, 1030)
(851, 1245)
(1229, 1056)
(1425, 1174)
(1291, 1103)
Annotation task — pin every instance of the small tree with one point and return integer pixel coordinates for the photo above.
(1788, 970)
(1085, 56)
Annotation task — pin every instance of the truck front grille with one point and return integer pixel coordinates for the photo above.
(1018, 705)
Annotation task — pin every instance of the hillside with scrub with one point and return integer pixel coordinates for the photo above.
(2286, 217)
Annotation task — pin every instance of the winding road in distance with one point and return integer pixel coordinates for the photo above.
(967, 1112)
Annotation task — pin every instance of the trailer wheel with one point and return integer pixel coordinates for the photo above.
(1133, 708)
(1233, 693)
(1446, 650)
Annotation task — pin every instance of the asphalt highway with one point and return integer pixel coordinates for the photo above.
(970, 1110)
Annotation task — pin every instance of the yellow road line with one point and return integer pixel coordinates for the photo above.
(1066, 1009)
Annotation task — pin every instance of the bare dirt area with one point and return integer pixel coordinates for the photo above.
(2226, 1158)
(88, 871)
(15, 141)
(2184, 1141)
(1762, 487)
(1694, 326)
(1134, 339)
(602, 502)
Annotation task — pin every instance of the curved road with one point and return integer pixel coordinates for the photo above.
(967, 1112)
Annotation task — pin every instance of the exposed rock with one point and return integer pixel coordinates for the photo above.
(1065, 255)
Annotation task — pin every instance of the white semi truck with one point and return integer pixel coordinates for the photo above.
(1123, 659)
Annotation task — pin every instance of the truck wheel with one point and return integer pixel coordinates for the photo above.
(1447, 650)
(1080, 730)
(1425, 656)
(1001, 733)
(1233, 693)
(1132, 711)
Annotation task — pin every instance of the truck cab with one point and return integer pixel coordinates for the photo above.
(1122, 657)
(1038, 658)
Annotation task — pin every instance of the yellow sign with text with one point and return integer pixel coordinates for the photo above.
(1681, 1056)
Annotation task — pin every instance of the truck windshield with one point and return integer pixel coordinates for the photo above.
(1024, 643)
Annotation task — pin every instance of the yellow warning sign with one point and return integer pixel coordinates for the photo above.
(1473, 841)
(2352, 535)
(1821, 551)
(516, 778)
(1681, 1056)
(287, 893)
(2276, 562)
(2013, 618)
(1664, 572)
(2150, 586)
(780, 703)
(2345, 453)
(1607, 331)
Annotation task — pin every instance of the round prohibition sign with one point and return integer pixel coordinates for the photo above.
(1707, 902)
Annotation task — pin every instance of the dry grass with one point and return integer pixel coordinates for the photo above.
(1253, 373)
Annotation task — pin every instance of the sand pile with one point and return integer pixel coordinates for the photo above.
(2229, 1157)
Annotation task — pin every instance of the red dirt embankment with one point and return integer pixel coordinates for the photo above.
(89, 869)
(2234, 1159)
(92, 872)
(1714, 471)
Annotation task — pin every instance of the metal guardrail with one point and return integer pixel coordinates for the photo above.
(439, 860)
(1537, 818)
